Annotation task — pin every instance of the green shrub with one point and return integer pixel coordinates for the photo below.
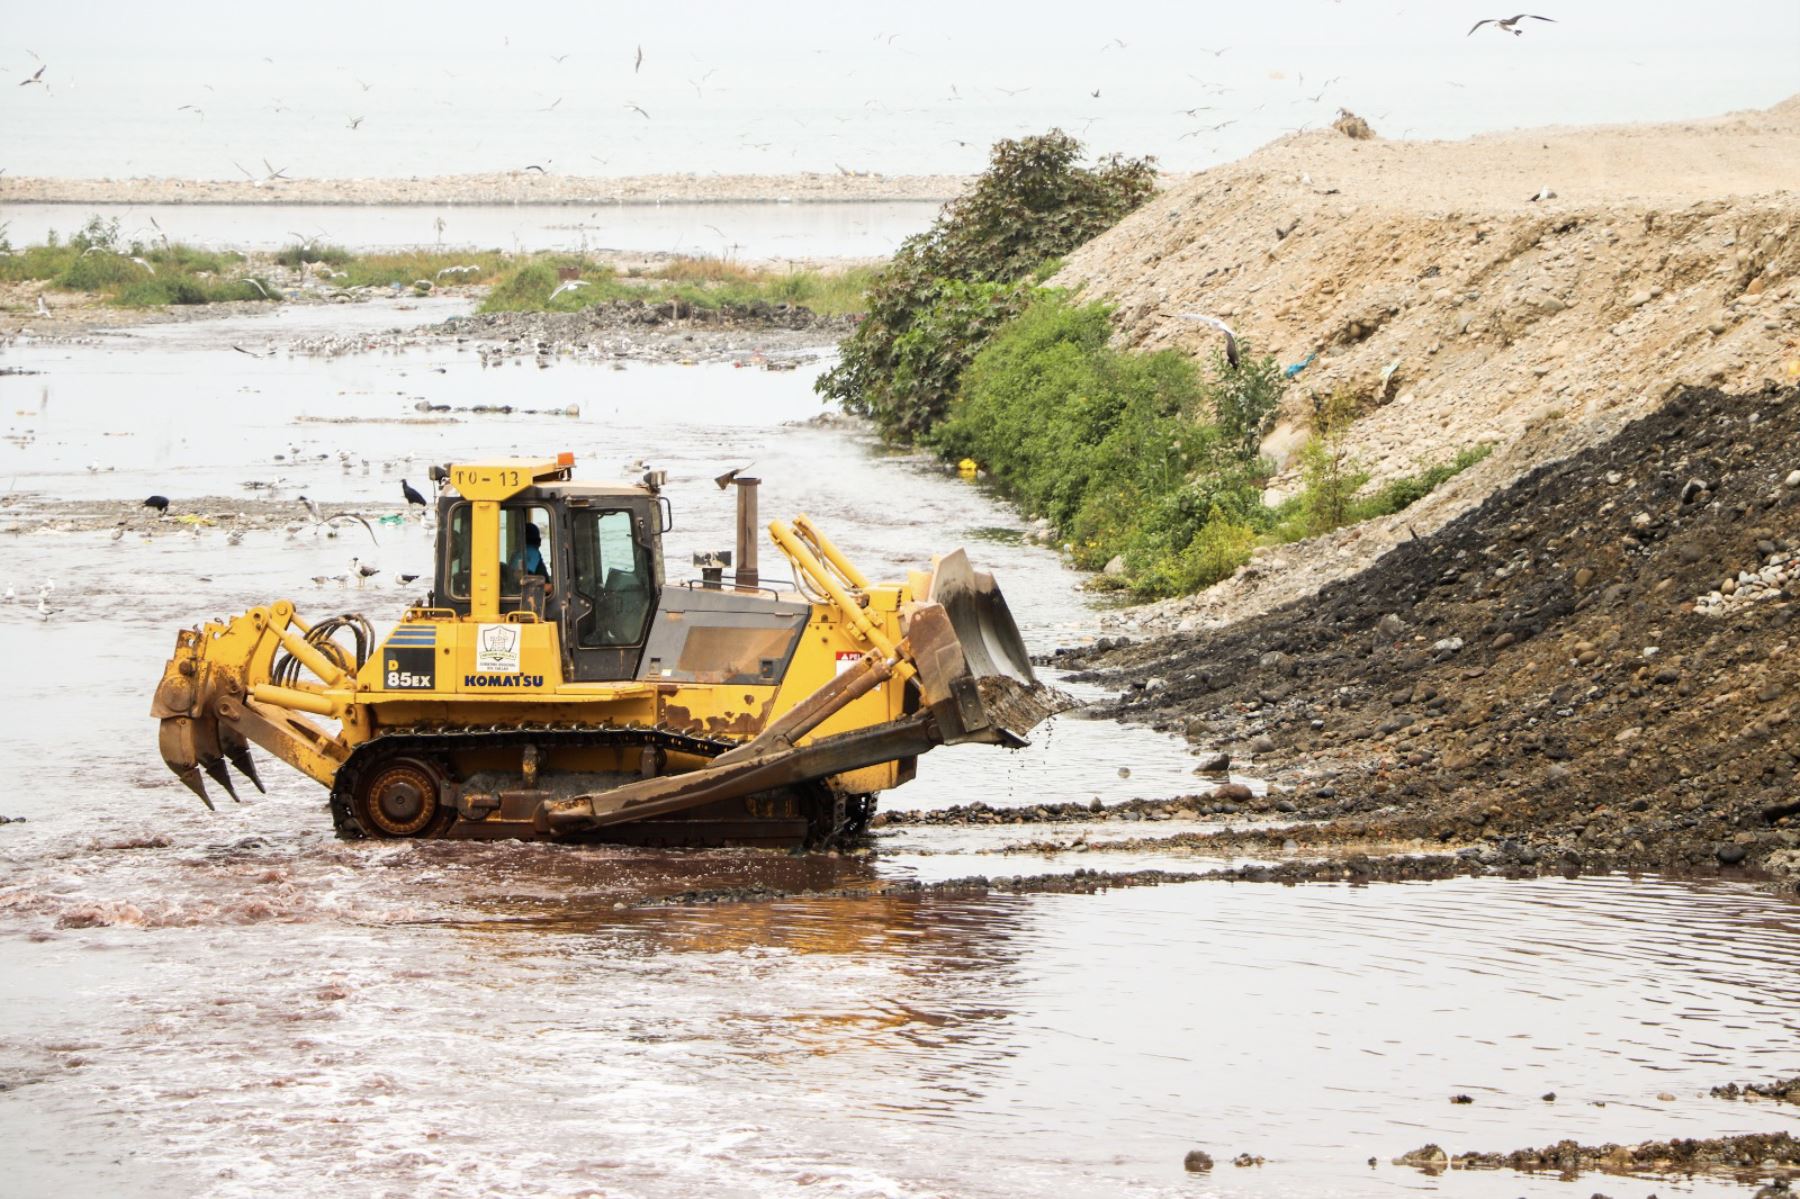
(1408, 490)
(100, 270)
(312, 251)
(1118, 450)
(933, 305)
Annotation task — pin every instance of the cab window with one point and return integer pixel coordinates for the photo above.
(525, 535)
(614, 575)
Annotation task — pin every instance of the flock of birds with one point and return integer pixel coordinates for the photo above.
(1515, 25)
(360, 570)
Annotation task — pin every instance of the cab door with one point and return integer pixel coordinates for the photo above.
(611, 589)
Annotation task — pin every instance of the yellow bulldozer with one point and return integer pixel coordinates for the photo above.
(553, 683)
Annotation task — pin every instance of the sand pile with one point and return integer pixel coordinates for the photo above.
(1535, 290)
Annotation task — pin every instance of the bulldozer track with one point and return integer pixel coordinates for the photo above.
(835, 817)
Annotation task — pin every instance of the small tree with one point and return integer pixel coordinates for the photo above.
(1245, 398)
(1333, 475)
(945, 291)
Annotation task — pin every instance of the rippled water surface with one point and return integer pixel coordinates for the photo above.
(238, 1004)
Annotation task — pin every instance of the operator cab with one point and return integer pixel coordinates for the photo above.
(588, 557)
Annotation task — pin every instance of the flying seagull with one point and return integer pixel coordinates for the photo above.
(635, 67)
(639, 111)
(36, 78)
(1231, 341)
(1509, 23)
(568, 285)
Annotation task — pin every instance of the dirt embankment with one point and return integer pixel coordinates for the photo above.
(1597, 668)
(494, 187)
(1668, 254)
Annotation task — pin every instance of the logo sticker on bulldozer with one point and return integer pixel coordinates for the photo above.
(497, 649)
(408, 659)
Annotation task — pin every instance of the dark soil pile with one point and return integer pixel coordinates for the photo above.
(1597, 668)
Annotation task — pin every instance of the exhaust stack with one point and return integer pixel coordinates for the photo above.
(746, 575)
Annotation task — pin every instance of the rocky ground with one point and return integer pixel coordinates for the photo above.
(1534, 290)
(1594, 669)
(1749, 1159)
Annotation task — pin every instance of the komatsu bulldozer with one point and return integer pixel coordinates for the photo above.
(553, 683)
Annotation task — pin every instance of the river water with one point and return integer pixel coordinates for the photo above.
(237, 1004)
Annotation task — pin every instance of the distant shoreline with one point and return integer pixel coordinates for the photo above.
(518, 188)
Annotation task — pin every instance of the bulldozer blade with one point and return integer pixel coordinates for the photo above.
(216, 768)
(984, 624)
(191, 776)
(237, 750)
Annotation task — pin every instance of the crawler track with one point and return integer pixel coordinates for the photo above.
(829, 818)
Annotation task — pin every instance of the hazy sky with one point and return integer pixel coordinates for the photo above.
(457, 85)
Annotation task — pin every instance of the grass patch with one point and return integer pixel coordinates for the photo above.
(434, 266)
(133, 275)
(703, 283)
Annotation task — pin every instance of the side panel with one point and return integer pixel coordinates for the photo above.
(705, 636)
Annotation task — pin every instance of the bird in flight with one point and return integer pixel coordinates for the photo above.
(638, 65)
(558, 58)
(1231, 341)
(355, 122)
(190, 108)
(1095, 93)
(1013, 91)
(639, 111)
(37, 77)
(1116, 42)
(1509, 24)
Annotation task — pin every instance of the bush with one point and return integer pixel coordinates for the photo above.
(1118, 450)
(934, 304)
(99, 270)
(1408, 490)
(1331, 473)
(312, 251)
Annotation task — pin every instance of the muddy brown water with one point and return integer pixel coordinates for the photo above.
(238, 1004)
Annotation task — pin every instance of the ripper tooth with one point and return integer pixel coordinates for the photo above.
(216, 768)
(238, 751)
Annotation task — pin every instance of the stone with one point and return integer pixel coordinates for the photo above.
(1262, 743)
(1448, 645)
(1233, 792)
(1666, 676)
(1115, 568)
(1390, 625)
(1216, 762)
(1793, 479)
(1728, 587)
(1731, 855)
(1584, 576)
(1197, 1161)
(1504, 640)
